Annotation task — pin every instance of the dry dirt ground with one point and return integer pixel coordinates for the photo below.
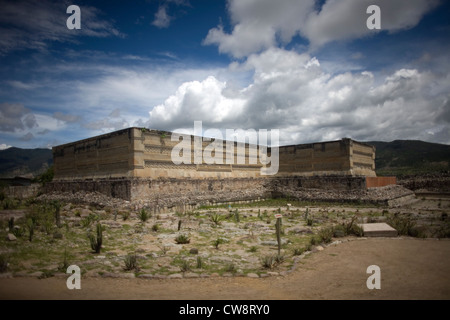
(410, 269)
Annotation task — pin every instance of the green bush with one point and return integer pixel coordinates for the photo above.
(403, 224)
(182, 239)
(155, 227)
(125, 215)
(144, 215)
(326, 234)
(268, 262)
(339, 231)
(185, 266)
(217, 242)
(131, 262)
(18, 231)
(47, 176)
(216, 218)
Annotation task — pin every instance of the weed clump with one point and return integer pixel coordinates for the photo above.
(182, 239)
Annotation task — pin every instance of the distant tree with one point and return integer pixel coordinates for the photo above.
(47, 176)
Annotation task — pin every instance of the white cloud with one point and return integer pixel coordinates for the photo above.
(206, 100)
(162, 19)
(293, 93)
(261, 24)
(4, 146)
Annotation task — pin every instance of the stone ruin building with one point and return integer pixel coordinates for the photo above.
(135, 164)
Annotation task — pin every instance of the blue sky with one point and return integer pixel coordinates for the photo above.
(311, 69)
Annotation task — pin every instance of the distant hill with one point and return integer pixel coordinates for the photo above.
(404, 157)
(23, 162)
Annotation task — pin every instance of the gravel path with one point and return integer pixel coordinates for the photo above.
(410, 269)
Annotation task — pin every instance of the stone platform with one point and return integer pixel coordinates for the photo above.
(378, 230)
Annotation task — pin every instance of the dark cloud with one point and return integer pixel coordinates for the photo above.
(14, 117)
(33, 24)
(70, 118)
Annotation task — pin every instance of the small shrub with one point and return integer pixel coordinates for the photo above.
(185, 266)
(125, 215)
(326, 235)
(164, 250)
(86, 222)
(279, 258)
(268, 262)
(131, 262)
(357, 230)
(217, 242)
(182, 239)
(253, 249)
(309, 222)
(155, 227)
(230, 267)
(403, 224)
(216, 218)
(313, 241)
(18, 231)
(298, 251)
(339, 231)
(143, 215)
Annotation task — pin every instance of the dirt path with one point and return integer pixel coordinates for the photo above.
(410, 269)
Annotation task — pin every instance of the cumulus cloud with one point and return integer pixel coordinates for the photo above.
(33, 24)
(292, 92)
(15, 117)
(261, 24)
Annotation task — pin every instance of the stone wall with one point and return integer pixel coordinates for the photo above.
(23, 192)
(116, 188)
(105, 156)
(142, 153)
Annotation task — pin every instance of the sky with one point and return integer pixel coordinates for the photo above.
(311, 69)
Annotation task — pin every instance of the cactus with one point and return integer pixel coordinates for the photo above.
(236, 216)
(179, 225)
(96, 241)
(278, 230)
(57, 206)
(31, 223)
(11, 224)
